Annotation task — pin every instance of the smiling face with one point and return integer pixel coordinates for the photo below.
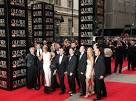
(71, 51)
(97, 52)
(82, 49)
(61, 51)
(32, 50)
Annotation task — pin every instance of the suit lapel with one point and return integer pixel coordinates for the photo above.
(96, 60)
(62, 59)
(81, 57)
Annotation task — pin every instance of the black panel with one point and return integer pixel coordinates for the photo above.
(91, 16)
(13, 39)
(43, 22)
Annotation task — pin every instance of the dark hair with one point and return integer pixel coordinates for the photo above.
(31, 46)
(101, 50)
(71, 48)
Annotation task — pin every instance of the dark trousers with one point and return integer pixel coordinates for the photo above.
(77, 79)
(61, 79)
(82, 83)
(100, 88)
(108, 65)
(130, 63)
(31, 77)
(71, 81)
(40, 74)
(54, 83)
(118, 63)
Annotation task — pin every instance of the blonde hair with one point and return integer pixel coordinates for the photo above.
(90, 54)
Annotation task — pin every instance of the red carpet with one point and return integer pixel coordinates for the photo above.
(129, 72)
(116, 92)
(24, 94)
(119, 92)
(125, 63)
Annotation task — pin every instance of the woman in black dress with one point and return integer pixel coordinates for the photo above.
(31, 61)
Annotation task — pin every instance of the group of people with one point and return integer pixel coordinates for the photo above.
(86, 66)
(120, 50)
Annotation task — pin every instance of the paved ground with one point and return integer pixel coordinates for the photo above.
(115, 78)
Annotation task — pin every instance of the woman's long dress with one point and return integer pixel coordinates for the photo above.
(46, 68)
(89, 70)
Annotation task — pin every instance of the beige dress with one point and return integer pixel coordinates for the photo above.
(89, 70)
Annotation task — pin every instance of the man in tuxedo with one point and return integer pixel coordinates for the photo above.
(40, 72)
(72, 63)
(81, 70)
(61, 64)
(76, 53)
(99, 73)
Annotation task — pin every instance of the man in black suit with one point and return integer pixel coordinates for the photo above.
(118, 57)
(76, 53)
(99, 73)
(40, 72)
(61, 64)
(72, 63)
(131, 55)
(81, 70)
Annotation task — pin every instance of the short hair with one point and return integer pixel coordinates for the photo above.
(101, 50)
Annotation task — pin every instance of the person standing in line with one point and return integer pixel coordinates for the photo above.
(118, 57)
(89, 72)
(76, 53)
(46, 57)
(131, 55)
(61, 65)
(54, 83)
(108, 55)
(99, 74)
(40, 72)
(72, 63)
(82, 70)
(31, 61)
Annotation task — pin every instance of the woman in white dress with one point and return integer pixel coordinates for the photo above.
(46, 57)
(89, 72)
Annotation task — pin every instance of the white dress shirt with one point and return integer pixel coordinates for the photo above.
(60, 59)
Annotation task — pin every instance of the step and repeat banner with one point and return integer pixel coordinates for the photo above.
(91, 18)
(13, 43)
(43, 22)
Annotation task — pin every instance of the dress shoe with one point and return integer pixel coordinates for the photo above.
(96, 99)
(104, 95)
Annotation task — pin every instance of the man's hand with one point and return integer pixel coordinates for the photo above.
(71, 74)
(101, 77)
(81, 73)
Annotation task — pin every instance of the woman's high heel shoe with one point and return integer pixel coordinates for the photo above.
(87, 95)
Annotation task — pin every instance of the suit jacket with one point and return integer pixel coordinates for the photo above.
(82, 64)
(99, 67)
(119, 53)
(53, 65)
(31, 60)
(61, 67)
(72, 63)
